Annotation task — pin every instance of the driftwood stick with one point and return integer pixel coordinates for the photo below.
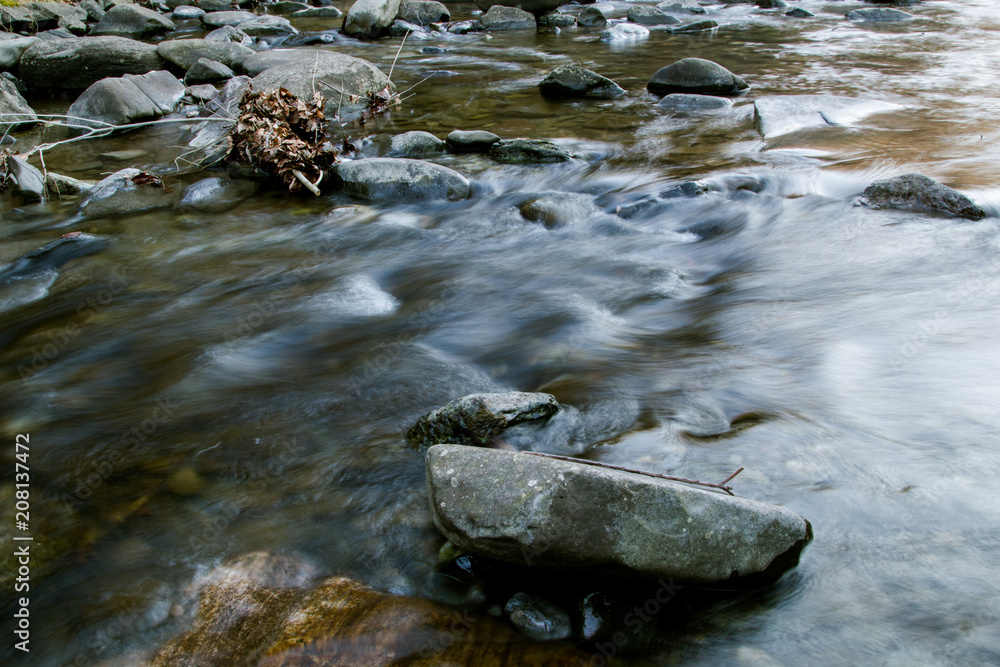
(711, 485)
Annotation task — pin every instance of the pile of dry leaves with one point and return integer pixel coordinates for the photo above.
(284, 136)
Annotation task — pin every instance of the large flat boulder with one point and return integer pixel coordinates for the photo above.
(76, 63)
(536, 7)
(395, 179)
(346, 82)
(186, 52)
(920, 193)
(370, 18)
(695, 75)
(128, 99)
(529, 510)
(132, 21)
(781, 114)
(477, 419)
(15, 109)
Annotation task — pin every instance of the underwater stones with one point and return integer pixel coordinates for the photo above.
(918, 192)
(477, 419)
(538, 618)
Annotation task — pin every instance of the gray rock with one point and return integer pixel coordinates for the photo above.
(918, 192)
(186, 12)
(15, 109)
(370, 18)
(777, 115)
(207, 5)
(94, 9)
(423, 12)
(772, 4)
(536, 7)
(230, 33)
(691, 102)
(697, 26)
(55, 34)
(625, 32)
(119, 194)
(28, 181)
(393, 179)
(689, 6)
(557, 20)
(132, 21)
(529, 510)
(463, 27)
(261, 61)
(202, 93)
(11, 50)
(879, 14)
(474, 141)
(592, 16)
(538, 618)
(311, 37)
(229, 17)
(267, 26)
(573, 81)
(186, 52)
(695, 75)
(477, 419)
(800, 13)
(414, 144)
(128, 99)
(285, 7)
(687, 189)
(646, 15)
(507, 18)
(526, 151)
(330, 73)
(215, 195)
(75, 64)
(400, 28)
(59, 186)
(37, 16)
(207, 71)
(319, 13)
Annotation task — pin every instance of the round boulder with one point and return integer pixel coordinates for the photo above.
(695, 75)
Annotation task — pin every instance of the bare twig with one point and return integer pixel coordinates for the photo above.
(393, 65)
(311, 187)
(711, 485)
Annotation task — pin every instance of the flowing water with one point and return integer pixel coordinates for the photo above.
(213, 384)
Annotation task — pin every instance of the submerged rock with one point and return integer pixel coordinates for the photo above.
(574, 81)
(691, 102)
(59, 186)
(782, 114)
(530, 510)
(507, 18)
(918, 192)
(526, 151)
(370, 18)
(800, 13)
(695, 75)
(697, 26)
(124, 192)
(879, 14)
(538, 618)
(215, 194)
(477, 419)
(380, 179)
(51, 256)
(77, 63)
(130, 20)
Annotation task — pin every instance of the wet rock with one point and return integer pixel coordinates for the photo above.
(327, 71)
(697, 26)
(230, 33)
(338, 621)
(207, 71)
(122, 193)
(77, 63)
(308, 38)
(772, 4)
(687, 189)
(423, 12)
(526, 509)
(187, 12)
(32, 17)
(94, 9)
(555, 209)
(267, 26)
(207, 5)
(527, 151)
(557, 20)
(595, 611)
(782, 114)
(127, 99)
(918, 192)
(695, 75)
(538, 618)
(381, 179)
(226, 18)
(689, 6)
(370, 18)
(573, 81)
(201, 93)
(499, 17)
(646, 15)
(15, 109)
(536, 7)
(59, 186)
(28, 181)
(474, 141)
(477, 419)
(215, 194)
(186, 52)
(414, 144)
(879, 14)
(800, 13)
(400, 28)
(592, 16)
(463, 27)
(319, 13)
(11, 50)
(284, 8)
(132, 21)
(625, 32)
(691, 102)
(52, 256)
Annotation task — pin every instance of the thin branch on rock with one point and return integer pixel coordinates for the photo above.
(712, 485)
